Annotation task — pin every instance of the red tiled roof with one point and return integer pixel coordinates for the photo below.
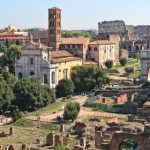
(74, 40)
(102, 42)
(60, 54)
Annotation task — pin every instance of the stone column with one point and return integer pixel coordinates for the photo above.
(11, 131)
(50, 139)
(83, 142)
(24, 147)
(62, 128)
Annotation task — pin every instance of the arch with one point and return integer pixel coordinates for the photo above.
(45, 79)
(124, 47)
(53, 77)
(32, 73)
(148, 74)
(120, 137)
(20, 75)
(137, 49)
(129, 48)
(128, 144)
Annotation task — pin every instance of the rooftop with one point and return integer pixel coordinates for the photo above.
(102, 42)
(75, 40)
(63, 56)
(60, 54)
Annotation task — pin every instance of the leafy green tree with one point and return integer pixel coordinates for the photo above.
(87, 78)
(3, 49)
(123, 61)
(64, 88)
(9, 79)
(71, 111)
(31, 95)
(109, 64)
(86, 33)
(137, 56)
(6, 95)
(129, 70)
(17, 42)
(13, 53)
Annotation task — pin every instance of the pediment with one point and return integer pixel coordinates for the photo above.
(30, 46)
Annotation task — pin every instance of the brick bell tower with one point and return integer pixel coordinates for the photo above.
(54, 28)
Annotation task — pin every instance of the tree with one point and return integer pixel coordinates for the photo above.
(137, 56)
(7, 43)
(13, 53)
(71, 111)
(64, 88)
(30, 95)
(123, 61)
(109, 64)
(17, 42)
(129, 70)
(6, 95)
(9, 79)
(87, 78)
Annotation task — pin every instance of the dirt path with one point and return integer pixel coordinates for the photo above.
(83, 112)
(52, 117)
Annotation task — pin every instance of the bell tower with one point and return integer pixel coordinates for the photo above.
(54, 28)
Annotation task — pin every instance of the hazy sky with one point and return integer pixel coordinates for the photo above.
(76, 14)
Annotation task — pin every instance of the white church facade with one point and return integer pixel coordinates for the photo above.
(36, 61)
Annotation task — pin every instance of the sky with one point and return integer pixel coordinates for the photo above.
(76, 14)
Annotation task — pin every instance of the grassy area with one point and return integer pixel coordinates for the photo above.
(26, 132)
(54, 107)
(130, 62)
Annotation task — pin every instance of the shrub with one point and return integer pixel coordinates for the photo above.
(30, 95)
(146, 85)
(123, 61)
(129, 70)
(109, 64)
(71, 111)
(65, 88)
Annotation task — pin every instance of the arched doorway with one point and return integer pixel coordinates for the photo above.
(129, 145)
(129, 48)
(20, 75)
(32, 73)
(148, 74)
(137, 49)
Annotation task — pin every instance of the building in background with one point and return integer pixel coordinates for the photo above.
(101, 51)
(117, 27)
(76, 46)
(13, 34)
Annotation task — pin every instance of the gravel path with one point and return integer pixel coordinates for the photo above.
(83, 113)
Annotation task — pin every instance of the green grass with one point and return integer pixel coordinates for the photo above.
(130, 62)
(54, 107)
(26, 132)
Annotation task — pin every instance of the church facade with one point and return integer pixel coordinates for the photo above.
(36, 61)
